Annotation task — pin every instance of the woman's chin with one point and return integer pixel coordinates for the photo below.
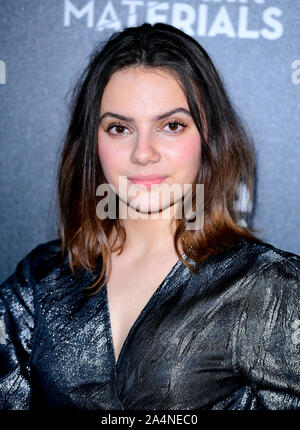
(148, 211)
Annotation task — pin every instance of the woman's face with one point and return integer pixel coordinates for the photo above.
(146, 130)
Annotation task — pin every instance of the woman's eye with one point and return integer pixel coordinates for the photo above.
(116, 129)
(175, 126)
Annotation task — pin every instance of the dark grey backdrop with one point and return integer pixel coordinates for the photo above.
(45, 44)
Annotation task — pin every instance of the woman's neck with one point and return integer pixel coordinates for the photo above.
(147, 237)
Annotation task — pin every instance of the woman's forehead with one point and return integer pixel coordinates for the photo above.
(150, 89)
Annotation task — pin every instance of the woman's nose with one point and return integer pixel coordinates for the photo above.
(145, 150)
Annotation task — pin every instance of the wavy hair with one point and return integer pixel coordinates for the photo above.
(227, 155)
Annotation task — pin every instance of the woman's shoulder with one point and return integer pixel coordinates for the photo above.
(38, 263)
(249, 257)
(45, 258)
(250, 266)
(269, 258)
(274, 253)
(17, 291)
(273, 276)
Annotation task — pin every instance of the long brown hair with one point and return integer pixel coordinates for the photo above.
(227, 159)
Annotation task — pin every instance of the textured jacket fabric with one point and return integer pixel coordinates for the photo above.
(227, 337)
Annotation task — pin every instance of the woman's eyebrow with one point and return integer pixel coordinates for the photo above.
(156, 118)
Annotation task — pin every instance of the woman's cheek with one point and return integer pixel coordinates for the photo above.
(106, 152)
(103, 156)
(190, 150)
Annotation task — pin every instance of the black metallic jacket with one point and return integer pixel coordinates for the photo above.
(227, 337)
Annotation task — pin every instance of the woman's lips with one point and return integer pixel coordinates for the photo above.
(148, 180)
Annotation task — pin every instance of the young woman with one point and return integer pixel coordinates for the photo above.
(142, 309)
